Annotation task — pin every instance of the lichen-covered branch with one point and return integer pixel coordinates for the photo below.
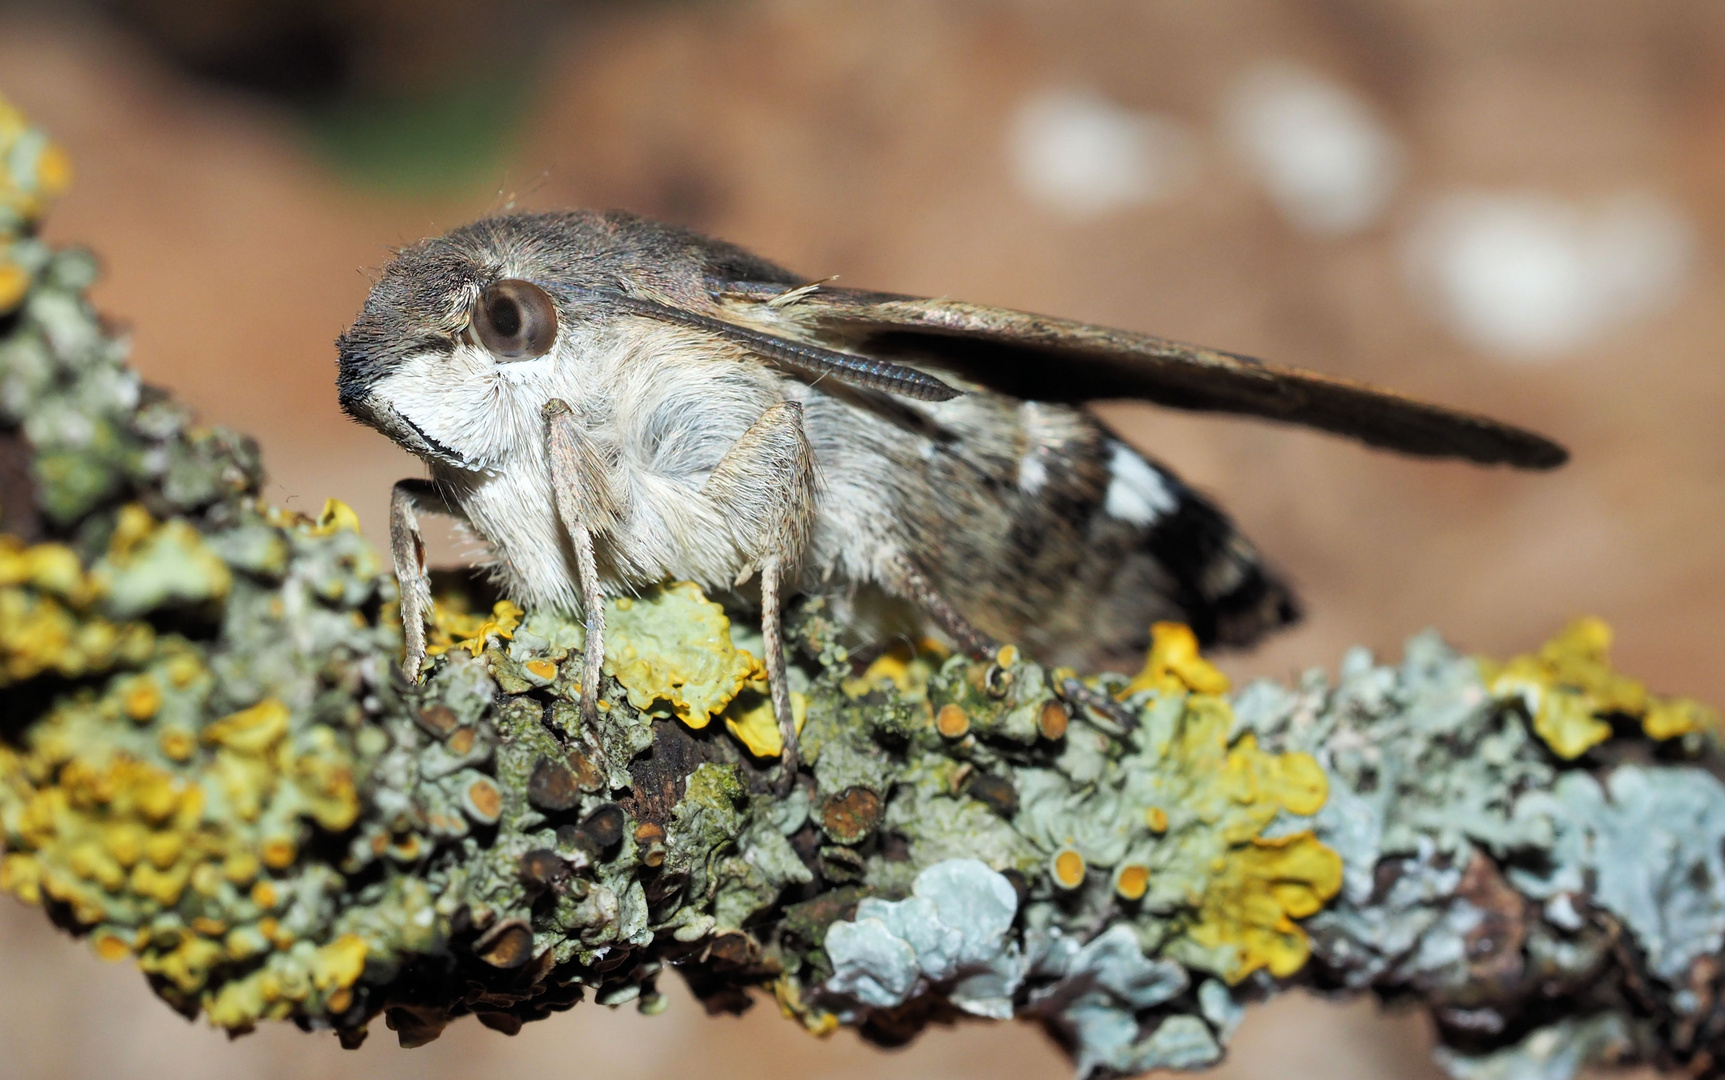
(208, 765)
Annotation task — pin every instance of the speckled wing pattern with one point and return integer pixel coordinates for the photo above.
(1039, 358)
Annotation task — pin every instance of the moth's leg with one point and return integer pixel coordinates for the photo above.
(581, 481)
(1099, 700)
(765, 487)
(593, 616)
(406, 499)
(908, 582)
(772, 631)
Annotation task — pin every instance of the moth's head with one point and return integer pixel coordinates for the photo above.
(455, 324)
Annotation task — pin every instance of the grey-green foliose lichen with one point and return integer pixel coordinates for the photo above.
(208, 765)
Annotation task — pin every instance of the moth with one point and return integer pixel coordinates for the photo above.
(610, 402)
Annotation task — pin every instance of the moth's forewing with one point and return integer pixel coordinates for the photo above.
(1045, 359)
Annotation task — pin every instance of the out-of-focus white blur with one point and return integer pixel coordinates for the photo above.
(1319, 149)
(1530, 275)
(1083, 156)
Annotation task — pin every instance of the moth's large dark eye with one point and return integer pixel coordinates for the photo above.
(515, 320)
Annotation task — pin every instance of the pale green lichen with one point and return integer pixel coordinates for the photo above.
(673, 645)
(1182, 800)
(33, 172)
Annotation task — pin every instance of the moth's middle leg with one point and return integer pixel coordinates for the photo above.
(765, 488)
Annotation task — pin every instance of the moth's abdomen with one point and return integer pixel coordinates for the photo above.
(1222, 589)
(1098, 543)
(1155, 549)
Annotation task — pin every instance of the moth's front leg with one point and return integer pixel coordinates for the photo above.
(581, 481)
(406, 499)
(765, 487)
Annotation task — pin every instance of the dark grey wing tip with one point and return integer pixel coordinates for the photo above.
(1485, 441)
(1541, 454)
(1480, 442)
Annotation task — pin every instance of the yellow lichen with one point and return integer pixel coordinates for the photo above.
(673, 645)
(143, 699)
(1667, 718)
(14, 284)
(132, 526)
(905, 668)
(755, 725)
(1208, 810)
(150, 563)
(1067, 868)
(289, 980)
(339, 964)
(177, 744)
(1174, 665)
(164, 837)
(51, 568)
(110, 946)
(455, 628)
(128, 846)
(1294, 781)
(1570, 690)
(1263, 887)
(1240, 786)
(1131, 881)
(47, 621)
(787, 991)
(82, 835)
(335, 517)
(250, 731)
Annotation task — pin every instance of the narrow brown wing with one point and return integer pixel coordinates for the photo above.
(1046, 359)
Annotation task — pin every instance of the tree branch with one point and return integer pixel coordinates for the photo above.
(209, 765)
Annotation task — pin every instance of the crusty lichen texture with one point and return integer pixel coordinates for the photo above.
(209, 768)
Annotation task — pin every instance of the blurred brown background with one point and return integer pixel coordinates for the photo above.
(1513, 205)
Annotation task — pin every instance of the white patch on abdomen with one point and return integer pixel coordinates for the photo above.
(1138, 493)
(1043, 437)
(1032, 473)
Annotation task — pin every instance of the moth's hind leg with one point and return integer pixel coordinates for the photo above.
(765, 488)
(407, 545)
(906, 581)
(909, 583)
